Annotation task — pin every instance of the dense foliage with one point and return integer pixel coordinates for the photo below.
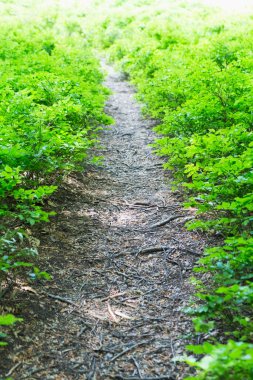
(193, 72)
(51, 110)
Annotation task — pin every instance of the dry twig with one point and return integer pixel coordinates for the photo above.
(152, 250)
(62, 299)
(166, 221)
(130, 349)
(13, 369)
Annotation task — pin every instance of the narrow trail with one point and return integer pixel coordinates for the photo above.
(118, 315)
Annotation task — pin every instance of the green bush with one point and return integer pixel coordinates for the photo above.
(51, 112)
(232, 361)
(7, 320)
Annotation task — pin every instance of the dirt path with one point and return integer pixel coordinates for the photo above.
(119, 316)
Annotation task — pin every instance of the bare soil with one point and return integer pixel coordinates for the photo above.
(120, 280)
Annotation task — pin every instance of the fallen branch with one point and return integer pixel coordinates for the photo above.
(13, 369)
(165, 377)
(130, 349)
(137, 366)
(113, 296)
(152, 250)
(149, 250)
(114, 318)
(62, 299)
(123, 315)
(166, 221)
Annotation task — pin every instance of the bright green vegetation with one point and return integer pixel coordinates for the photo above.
(51, 111)
(194, 72)
(7, 320)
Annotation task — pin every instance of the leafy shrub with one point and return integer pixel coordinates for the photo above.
(16, 253)
(51, 111)
(233, 361)
(7, 320)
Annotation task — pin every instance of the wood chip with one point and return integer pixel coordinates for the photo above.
(114, 318)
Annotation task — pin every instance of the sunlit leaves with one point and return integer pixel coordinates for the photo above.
(51, 110)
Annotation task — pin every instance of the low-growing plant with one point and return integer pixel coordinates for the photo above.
(7, 320)
(232, 361)
(16, 254)
(51, 112)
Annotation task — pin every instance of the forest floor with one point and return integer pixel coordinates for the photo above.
(113, 308)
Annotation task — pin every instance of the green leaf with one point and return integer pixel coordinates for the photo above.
(9, 319)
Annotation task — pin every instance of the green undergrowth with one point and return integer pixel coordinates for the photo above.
(193, 72)
(51, 112)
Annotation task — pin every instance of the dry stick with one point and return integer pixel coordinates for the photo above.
(164, 248)
(170, 219)
(13, 369)
(166, 377)
(115, 319)
(158, 249)
(137, 366)
(152, 250)
(37, 370)
(59, 298)
(141, 204)
(129, 349)
(123, 274)
(113, 296)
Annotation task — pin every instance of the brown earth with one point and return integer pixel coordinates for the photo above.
(121, 279)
